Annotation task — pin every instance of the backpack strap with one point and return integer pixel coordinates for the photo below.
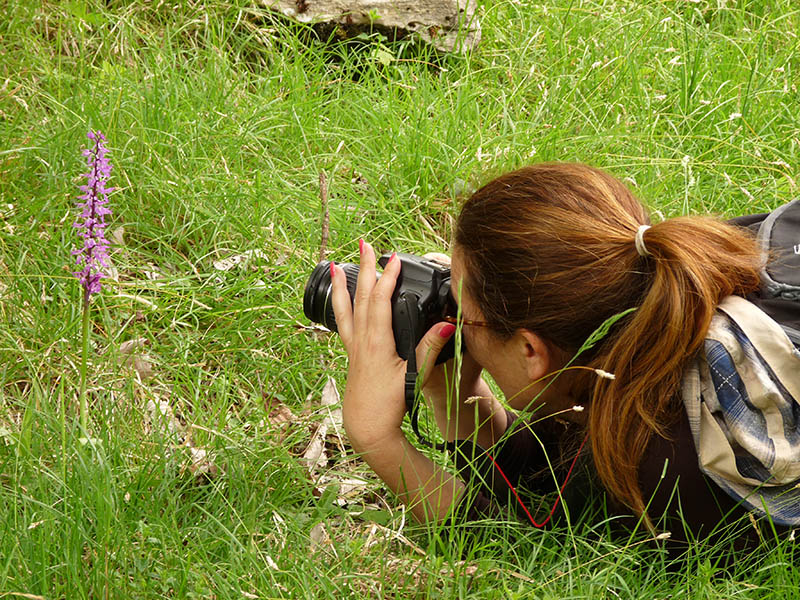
(778, 235)
(779, 238)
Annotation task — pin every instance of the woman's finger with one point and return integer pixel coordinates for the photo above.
(342, 305)
(380, 308)
(366, 281)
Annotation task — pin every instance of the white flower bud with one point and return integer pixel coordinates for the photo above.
(604, 374)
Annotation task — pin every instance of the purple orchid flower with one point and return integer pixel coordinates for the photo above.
(91, 223)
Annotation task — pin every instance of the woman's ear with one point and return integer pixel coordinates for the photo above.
(536, 354)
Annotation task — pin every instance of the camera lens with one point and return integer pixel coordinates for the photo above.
(317, 304)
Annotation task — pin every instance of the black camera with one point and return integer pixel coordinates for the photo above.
(421, 299)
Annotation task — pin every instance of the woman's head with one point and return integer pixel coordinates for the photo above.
(549, 249)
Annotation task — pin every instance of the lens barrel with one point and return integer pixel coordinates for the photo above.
(317, 304)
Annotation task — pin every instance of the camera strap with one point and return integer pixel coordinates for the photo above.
(412, 403)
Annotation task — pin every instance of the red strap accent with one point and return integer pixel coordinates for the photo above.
(560, 491)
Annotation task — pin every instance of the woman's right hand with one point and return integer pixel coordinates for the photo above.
(438, 380)
(454, 410)
(455, 397)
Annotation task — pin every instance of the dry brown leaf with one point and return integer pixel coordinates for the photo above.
(141, 363)
(129, 346)
(314, 455)
(333, 419)
(350, 487)
(200, 465)
(313, 328)
(352, 490)
(161, 418)
(319, 536)
(226, 264)
(118, 236)
(143, 367)
(279, 413)
(333, 403)
(468, 570)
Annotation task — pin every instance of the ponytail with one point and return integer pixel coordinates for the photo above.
(694, 263)
(551, 248)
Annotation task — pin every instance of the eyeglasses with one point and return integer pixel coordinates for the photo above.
(462, 321)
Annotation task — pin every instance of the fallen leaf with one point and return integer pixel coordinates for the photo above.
(319, 535)
(469, 570)
(143, 367)
(201, 465)
(349, 487)
(129, 346)
(333, 403)
(333, 419)
(118, 236)
(162, 418)
(141, 363)
(314, 455)
(313, 328)
(226, 264)
(278, 412)
(351, 490)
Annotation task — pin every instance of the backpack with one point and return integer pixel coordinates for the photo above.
(778, 234)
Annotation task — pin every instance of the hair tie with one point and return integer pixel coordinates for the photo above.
(639, 241)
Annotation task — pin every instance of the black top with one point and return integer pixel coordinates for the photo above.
(680, 498)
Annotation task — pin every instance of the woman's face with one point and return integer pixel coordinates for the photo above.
(508, 361)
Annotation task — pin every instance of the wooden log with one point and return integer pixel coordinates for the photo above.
(449, 25)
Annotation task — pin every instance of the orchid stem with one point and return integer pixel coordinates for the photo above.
(84, 361)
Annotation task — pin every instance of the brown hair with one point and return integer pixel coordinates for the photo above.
(550, 248)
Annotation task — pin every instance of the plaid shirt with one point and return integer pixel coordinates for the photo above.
(742, 397)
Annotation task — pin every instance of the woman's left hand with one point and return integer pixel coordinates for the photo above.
(373, 404)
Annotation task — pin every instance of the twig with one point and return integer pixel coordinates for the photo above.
(326, 217)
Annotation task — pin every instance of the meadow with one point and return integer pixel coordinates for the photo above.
(209, 392)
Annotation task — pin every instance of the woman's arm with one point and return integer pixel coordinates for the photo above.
(429, 491)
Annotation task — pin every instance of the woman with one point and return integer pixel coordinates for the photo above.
(542, 258)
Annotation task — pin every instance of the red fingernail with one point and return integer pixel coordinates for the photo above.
(361, 246)
(393, 256)
(447, 330)
(333, 270)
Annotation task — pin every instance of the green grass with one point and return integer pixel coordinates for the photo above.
(219, 120)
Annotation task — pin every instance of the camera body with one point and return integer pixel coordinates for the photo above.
(421, 299)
